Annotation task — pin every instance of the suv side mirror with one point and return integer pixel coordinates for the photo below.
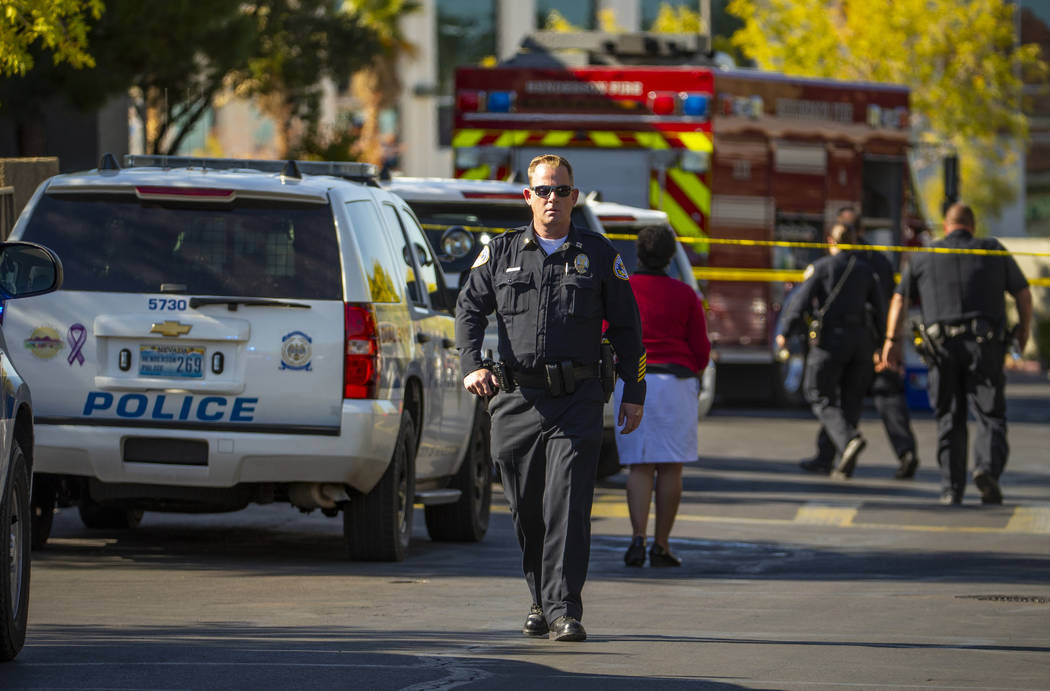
(28, 269)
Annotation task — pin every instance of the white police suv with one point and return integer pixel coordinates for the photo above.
(25, 270)
(236, 332)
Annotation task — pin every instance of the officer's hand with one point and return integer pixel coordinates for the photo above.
(480, 382)
(630, 417)
(891, 355)
(781, 341)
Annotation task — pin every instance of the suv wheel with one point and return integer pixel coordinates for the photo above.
(42, 509)
(467, 520)
(377, 526)
(99, 517)
(14, 556)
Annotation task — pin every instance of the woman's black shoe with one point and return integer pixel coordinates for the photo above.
(658, 556)
(635, 553)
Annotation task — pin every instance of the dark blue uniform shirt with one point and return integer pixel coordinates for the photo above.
(957, 287)
(551, 308)
(861, 291)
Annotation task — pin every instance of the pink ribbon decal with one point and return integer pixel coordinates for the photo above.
(77, 337)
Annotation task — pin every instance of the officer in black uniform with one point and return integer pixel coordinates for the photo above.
(887, 388)
(551, 284)
(837, 293)
(964, 318)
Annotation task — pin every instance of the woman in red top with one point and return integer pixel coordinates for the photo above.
(677, 348)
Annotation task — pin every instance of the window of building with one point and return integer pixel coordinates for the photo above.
(579, 13)
(466, 34)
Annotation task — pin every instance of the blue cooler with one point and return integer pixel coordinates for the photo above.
(915, 385)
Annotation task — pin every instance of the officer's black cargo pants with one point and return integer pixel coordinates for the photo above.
(892, 404)
(969, 371)
(838, 373)
(547, 450)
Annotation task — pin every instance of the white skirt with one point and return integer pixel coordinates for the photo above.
(668, 433)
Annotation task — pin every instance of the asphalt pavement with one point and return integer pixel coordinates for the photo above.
(790, 581)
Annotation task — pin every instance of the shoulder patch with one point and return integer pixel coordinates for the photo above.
(620, 270)
(805, 274)
(483, 257)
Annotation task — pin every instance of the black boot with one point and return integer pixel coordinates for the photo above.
(635, 555)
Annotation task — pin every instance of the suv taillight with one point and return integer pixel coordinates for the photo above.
(361, 367)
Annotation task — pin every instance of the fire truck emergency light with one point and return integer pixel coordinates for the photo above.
(500, 101)
(662, 103)
(469, 100)
(695, 104)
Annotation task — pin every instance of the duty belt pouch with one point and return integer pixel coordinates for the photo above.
(568, 377)
(555, 385)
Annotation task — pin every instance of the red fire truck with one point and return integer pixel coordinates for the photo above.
(729, 154)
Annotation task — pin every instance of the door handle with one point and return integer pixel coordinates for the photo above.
(422, 337)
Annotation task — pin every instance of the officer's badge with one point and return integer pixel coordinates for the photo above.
(483, 257)
(620, 270)
(582, 263)
(807, 273)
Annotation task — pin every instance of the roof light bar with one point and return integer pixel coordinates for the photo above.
(351, 170)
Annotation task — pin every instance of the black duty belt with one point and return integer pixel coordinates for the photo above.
(966, 327)
(539, 380)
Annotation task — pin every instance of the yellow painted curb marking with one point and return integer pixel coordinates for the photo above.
(822, 514)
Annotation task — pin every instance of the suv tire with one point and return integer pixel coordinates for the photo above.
(467, 520)
(14, 556)
(377, 526)
(42, 508)
(99, 517)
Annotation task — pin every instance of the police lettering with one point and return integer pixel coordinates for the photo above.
(177, 408)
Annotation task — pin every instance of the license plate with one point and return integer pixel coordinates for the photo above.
(176, 361)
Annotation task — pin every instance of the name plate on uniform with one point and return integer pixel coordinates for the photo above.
(173, 361)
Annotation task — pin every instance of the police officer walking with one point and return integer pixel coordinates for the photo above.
(835, 296)
(964, 318)
(887, 388)
(551, 284)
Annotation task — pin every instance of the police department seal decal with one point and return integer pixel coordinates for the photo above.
(582, 263)
(296, 351)
(483, 257)
(44, 342)
(620, 270)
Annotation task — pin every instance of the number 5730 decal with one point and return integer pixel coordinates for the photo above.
(166, 304)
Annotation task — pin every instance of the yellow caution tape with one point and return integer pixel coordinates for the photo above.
(718, 273)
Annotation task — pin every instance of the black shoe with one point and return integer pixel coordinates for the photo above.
(989, 487)
(567, 629)
(950, 498)
(850, 454)
(815, 465)
(635, 555)
(535, 622)
(658, 556)
(909, 463)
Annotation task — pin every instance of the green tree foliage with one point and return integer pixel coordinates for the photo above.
(300, 44)
(378, 85)
(177, 57)
(959, 58)
(61, 26)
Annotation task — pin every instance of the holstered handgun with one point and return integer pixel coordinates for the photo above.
(504, 380)
(923, 342)
(607, 369)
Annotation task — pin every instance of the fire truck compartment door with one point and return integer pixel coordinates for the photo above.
(621, 175)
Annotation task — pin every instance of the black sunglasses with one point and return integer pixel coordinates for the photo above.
(544, 191)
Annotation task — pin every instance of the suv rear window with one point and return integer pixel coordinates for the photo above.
(474, 217)
(628, 250)
(248, 248)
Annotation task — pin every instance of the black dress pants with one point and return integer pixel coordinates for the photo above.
(547, 450)
(968, 375)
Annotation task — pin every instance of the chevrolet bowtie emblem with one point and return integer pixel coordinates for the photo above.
(170, 328)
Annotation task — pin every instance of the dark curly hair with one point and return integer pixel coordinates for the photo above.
(655, 247)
